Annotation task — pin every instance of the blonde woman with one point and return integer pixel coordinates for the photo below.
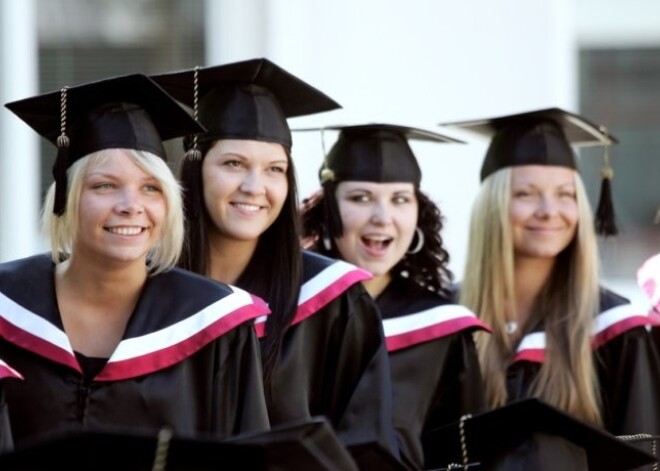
(532, 273)
(104, 329)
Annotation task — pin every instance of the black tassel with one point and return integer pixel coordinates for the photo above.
(605, 219)
(59, 173)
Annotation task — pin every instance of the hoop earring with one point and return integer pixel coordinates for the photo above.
(327, 245)
(325, 239)
(420, 242)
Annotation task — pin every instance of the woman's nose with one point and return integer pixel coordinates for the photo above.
(253, 183)
(129, 202)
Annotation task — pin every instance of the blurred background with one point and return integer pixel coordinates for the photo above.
(413, 62)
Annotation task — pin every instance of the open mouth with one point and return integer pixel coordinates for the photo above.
(376, 242)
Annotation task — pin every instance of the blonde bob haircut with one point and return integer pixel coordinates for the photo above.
(566, 306)
(62, 230)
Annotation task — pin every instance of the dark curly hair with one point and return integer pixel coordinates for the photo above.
(428, 267)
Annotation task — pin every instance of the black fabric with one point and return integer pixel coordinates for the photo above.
(628, 372)
(90, 366)
(377, 153)
(538, 137)
(128, 112)
(214, 390)
(334, 363)
(435, 382)
(6, 439)
(530, 434)
(246, 100)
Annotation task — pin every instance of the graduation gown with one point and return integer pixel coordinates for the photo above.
(627, 366)
(333, 360)
(6, 439)
(436, 376)
(189, 358)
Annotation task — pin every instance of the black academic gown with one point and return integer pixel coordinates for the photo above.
(627, 366)
(436, 376)
(333, 360)
(7, 373)
(189, 359)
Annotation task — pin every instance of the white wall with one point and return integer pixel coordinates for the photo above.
(415, 62)
(19, 161)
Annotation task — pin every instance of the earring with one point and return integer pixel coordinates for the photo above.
(327, 245)
(420, 242)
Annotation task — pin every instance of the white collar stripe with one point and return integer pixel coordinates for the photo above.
(431, 332)
(238, 304)
(329, 276)
(329, 292)
(172, 354)
(420, 320)
(27, 321)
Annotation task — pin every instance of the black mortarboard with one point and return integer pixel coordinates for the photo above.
(375, 153)
(371, 152)
(127, 112)
(105, 450)
(545, 137)
(311, 444)
(529, 434)
(245, 100)
(304, 444)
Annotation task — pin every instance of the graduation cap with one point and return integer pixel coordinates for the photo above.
(105, 450)
(245, 100)
(528, 434)
(546, 137)
(126, 112)
(311, 444)
(304, 444)
(373, 152)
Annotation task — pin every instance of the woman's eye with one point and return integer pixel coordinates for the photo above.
(358, 198)
(400, 200)
(102, 186)
(233, 163)
(278, 169)
(152, 188)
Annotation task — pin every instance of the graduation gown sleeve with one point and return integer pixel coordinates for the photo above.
(333, 360)
(629, 371)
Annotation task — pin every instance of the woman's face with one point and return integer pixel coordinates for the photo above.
(379, 222)
(544, 210)
(245, 186)
(121, 212)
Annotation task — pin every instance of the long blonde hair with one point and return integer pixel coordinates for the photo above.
(62, 230)
(568, 303)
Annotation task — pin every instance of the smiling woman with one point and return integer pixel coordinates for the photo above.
(111, 334)
(533, 261)
(371, 212)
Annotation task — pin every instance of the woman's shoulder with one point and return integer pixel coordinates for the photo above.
(180, 283)
(38, 261)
